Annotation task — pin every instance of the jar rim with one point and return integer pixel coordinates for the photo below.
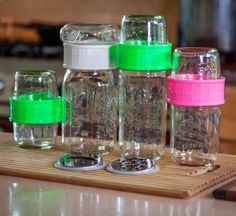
(34, 72)
(195, 51)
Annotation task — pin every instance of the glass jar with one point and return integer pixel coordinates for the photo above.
(35, 108)
(195, 92)
(144, 61)
(89, 88)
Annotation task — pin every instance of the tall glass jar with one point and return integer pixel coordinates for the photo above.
(195, 92)
(89, 88)
(144, 61)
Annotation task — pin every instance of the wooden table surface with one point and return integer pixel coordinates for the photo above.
(23, 197)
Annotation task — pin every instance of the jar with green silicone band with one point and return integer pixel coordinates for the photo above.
(144, 59)
(35, 108)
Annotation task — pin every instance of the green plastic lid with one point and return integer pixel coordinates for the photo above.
(134, 57)
(36, 108)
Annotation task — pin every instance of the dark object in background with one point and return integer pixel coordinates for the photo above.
(49, 34)
(226, 192)
(5, 125)
(50, 45)
(32, 40)
(211, 24)
(208, 23)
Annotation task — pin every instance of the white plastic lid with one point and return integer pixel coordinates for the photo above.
(89, 57)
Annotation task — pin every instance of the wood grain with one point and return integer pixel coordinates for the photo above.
(171, 181)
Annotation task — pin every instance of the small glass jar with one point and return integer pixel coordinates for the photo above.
(35, 108)
(195, 92)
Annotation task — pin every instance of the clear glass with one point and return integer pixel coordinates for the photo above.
(142, 114)
(90, 34)
(196, 63)
(194, 135)
(32, 135)
(142, 94)
(195, 130)
(91, 118)
(143, 29)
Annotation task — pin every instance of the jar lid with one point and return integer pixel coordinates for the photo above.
(36, 108)
(90, 57)
(87, 162)
(133, 166)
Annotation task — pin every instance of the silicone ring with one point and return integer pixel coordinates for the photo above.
(186, 92)
(25, 109)
(134, 57)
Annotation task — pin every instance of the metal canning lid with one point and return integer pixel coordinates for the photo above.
(133, 166)
(36, 108)
(80, 162)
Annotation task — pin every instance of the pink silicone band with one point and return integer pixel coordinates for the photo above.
(186, 92)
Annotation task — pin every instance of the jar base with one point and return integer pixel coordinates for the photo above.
(151, 152)
(78, 145)
(36, 145)
(192, 160)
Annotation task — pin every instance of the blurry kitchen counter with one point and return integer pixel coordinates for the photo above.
(22, 197)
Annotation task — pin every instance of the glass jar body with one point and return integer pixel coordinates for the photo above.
(194, 135)
(91, 111)
(142, 114)
(35, 135)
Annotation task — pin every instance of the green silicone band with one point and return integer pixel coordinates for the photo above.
(141, 57)
(33, 109)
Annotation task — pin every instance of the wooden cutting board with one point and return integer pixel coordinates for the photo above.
(171, 181)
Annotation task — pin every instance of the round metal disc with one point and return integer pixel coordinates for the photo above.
(133, 166)
(80, 162)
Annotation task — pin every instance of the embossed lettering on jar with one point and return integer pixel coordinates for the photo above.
(143, 114)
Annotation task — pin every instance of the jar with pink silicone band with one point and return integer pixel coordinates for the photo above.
(195, 93)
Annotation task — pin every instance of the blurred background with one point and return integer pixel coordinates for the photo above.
(29, 38)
